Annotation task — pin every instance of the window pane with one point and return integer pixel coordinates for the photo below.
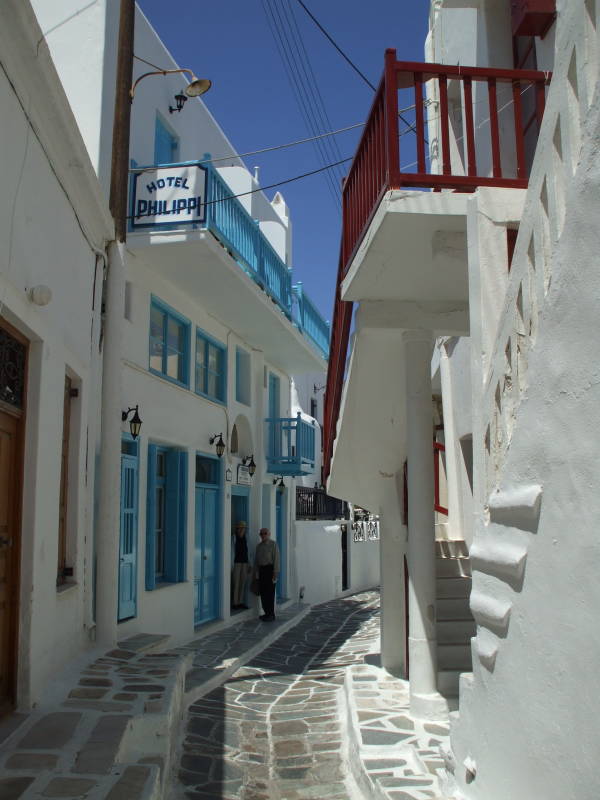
(160, 465)
(213, 385)
(174, 365)
(213, 358)
(175, 335)
(156, 354)
(159, 560)
(206, 470)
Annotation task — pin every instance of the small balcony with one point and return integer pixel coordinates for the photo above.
(472, 127)
(290, 446)
(315, 503)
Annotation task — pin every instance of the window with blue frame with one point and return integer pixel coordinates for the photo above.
(211, 367)
(166, 516)
(169, 343)
(242, 376)
(166, 144)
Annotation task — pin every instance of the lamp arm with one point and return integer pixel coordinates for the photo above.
(156, 72)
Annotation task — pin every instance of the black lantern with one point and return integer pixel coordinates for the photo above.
(279, 483)
(180, 100)
(220, 444)
(249, 462)
(135, 423)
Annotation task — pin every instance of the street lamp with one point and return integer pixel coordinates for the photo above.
(195, 87)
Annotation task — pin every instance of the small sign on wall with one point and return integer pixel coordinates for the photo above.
(167, 196)
(243, 476)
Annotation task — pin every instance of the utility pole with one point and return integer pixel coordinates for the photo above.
(108, 525)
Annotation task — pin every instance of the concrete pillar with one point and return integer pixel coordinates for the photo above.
(425, 702)
(392, 547)
(108, 523)
(454, 496)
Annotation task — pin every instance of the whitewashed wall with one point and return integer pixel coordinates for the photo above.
(319, 561)
(52, 221)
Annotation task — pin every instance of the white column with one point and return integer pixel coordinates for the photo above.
(425, 702)
(108, 522)
(454, 496)
(392, 547)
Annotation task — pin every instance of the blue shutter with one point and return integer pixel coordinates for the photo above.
(151, 519)
(176, 515)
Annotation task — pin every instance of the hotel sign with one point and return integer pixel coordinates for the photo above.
(169, 196)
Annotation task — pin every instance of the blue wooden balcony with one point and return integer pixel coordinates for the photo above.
(309, 321)
(290, 446)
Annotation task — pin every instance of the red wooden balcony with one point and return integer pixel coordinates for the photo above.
(376, 167)
(499, 113)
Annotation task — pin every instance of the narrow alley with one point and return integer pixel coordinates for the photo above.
(311, 716)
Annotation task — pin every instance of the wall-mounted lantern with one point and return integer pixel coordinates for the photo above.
(180, 101)
(249, 462)
(135, 423)
(218, 442)
(279, 483)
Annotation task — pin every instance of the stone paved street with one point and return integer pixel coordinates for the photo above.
(312, 716)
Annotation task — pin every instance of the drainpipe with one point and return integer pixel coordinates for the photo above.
(107, 539)
(425, 702)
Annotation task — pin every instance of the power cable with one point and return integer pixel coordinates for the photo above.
(291, 70)
(347, 58)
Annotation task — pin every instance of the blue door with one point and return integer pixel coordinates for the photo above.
(128, 536)
(206, 541)
(274, 413)
(280, 539)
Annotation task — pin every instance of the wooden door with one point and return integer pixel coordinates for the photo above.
(8, 549)
(13, 370)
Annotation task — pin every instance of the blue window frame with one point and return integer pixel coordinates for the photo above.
(166, 528)
(169, 343)
(211, 367)
(166, 144)
(242, 376)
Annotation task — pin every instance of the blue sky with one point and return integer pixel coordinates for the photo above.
(232, 43)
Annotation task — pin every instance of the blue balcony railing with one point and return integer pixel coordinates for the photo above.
(232, 225)
(290, 446)
(235, 228)
(309, 321)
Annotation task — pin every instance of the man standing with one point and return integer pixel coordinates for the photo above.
(240, 565)
(266, 569)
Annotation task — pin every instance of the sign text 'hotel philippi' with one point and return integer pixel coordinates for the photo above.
(169, 195)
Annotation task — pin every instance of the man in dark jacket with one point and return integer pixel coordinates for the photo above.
(266, 569)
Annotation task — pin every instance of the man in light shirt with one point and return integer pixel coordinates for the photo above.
(266, 570)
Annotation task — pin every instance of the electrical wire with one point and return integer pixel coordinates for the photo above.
(294, 67)
(345, 57)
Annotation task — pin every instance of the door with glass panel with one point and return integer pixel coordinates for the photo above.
(206, 540)
(128, 538)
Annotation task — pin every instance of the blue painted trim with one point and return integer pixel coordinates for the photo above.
(220, 515)
(206, 337)
(240, 491)
(165, 308)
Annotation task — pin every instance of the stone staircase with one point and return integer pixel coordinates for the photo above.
(455, 623)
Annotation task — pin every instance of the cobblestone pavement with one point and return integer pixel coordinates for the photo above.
(105, 731)
(312, 716)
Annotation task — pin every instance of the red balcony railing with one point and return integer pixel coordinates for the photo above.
(478, 158)
(493, 147)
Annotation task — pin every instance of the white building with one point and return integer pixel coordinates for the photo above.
(483, 297)
(194, 324)
(54, 226)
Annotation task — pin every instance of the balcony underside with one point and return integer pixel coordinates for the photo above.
(369, 449)
(414, 250)
(290, 467)
(196, 263)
